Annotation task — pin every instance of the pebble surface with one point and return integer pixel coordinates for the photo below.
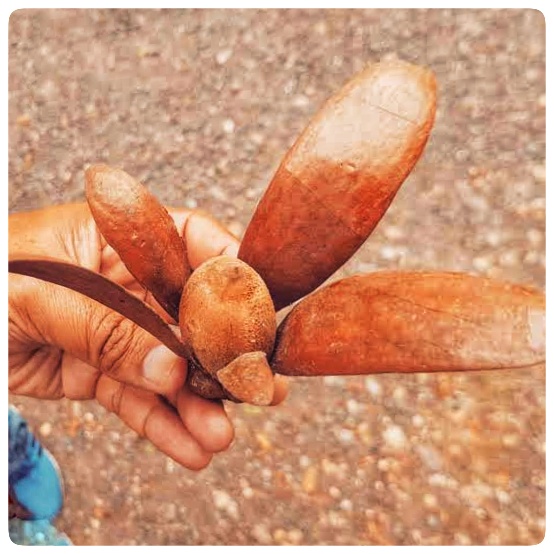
(201, 105)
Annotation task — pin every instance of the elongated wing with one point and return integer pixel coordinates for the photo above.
(337, 181)
(102, 290)
(410, 322)
(141, 231)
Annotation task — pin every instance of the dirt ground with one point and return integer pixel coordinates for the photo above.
(201, 105)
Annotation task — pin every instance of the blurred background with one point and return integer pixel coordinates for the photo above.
(201, 105)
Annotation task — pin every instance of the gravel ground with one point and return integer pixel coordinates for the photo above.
(201, 105)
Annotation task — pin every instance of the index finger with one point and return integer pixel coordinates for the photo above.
(204, 236)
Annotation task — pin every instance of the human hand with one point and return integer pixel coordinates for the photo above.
(63, 344)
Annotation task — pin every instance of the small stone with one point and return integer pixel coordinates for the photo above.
(248, 493)
(352, 407)
(432, 521)
(295, 536)
(511, 440)
(430, 457)
(263, 442)
(334, 492)
(531, 257)
(321, 28)
(280, 536)
(399, 395)
(430, 500)
(502, 496)
(95, 523)
(228, 126)
(364, 434)
(336, 519)
(170, 512)
(300, 101)
(45, 429)
(462, 539)
(394, 437)
(482, 263)
(219, 194)
(346, 436)
(257, 138)
(418, 421)
(223, 56)
(330, 468)
(169, 466)
(28, 160)
(373, 386)
(455, 450)
(224, 502)
(442, 480)
(88, 417)
(191, 203)
(310, 480)
(535, 237)
(304, 461)
(383, 464)
(334, 381)
(389, 253)
(289, 86)
(346, 505)
(493, 237)
(24, 120)
(392, 232)
(509, 258)
(261, 533)
(481, 513)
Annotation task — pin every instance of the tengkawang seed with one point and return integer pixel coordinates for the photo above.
(329, 193)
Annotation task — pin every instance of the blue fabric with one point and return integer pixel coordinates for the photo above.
(33, 475)
(36, 533)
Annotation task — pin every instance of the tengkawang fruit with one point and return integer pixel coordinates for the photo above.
(329, 193)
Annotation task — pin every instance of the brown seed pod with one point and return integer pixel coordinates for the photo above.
(226, 311)
(141, 231)
(407, 322)
(338, 179)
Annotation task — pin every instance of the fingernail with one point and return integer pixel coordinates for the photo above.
(159, 364)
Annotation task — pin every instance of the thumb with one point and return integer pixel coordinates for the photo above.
(56, 316)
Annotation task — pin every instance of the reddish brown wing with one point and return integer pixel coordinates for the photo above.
(339, 178)
(408, 322)
(141, 231)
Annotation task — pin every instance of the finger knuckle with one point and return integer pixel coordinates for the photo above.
(114, 339)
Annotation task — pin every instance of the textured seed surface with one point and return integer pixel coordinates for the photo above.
(226, 311)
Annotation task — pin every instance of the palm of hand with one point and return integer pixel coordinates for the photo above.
(181, 424)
